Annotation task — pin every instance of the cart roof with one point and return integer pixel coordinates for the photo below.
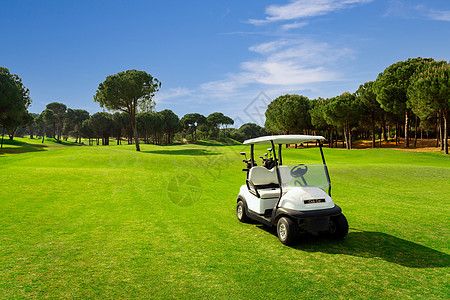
(283, 139)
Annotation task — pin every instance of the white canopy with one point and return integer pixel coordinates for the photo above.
(283, 139)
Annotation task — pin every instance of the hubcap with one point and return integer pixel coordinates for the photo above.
(239, 212)
(282, 231)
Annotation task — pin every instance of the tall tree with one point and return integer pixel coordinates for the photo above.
(344, 112)
(15, 119)
(391, 88)
(120, 122)
(251, 130)
(317, 114)
(288, 114)
(130, 91)
(80, 116)
(157, 127)
(371, 107)
(72, 122)
(59, 109)
(87, 131)
(33, 126)
(171, 124)
(225, 122)
(39, 120)
(14, 101)
(190, 122)
(144, 123)
(215, 120)
(49, 118)
(429, 93)
(102, 124)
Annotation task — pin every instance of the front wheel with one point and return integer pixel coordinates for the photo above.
(287, 231)
(240, 212)
(338, 227)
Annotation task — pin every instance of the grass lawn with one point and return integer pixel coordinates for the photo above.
(110, 222)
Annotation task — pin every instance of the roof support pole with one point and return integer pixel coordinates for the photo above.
(325, 166)
(252, 155)
(279, 154)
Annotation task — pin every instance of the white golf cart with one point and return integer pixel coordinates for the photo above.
(292, 197)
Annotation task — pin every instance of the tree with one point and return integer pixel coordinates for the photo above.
(171, 124)
(190, 122)
(225, 122)
(144, 123)
(120, 122)
(102, 126)
(14, 101)
(59, 109)
(391, 88)
(371, 106)
(33, 126)
(344, 112)
(429, 93)
(157, 127)
(252, 130)
(288, 114)
(15, 119)
(73, 120)
(87, 131)
(214, 120)
(130, 91)
(80, 116)
(39, 120)
(317, 114)
(49, 118)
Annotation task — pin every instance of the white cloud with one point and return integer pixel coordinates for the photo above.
(306, 67)
(298, 9)
(268, 47)
(284, 63)
(293, 25)
(401, 9)
(434, 14)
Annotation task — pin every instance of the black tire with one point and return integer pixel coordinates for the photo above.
(338, 227)
(240, 212)
(287, 231)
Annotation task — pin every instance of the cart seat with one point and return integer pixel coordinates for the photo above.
(264, 182)
(262, 176)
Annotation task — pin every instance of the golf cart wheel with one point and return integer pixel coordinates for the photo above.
(240, 212)
(287, 231)
(338, 227)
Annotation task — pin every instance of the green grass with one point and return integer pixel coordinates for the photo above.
(109, 222)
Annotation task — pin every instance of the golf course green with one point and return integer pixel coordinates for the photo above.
(110, 222)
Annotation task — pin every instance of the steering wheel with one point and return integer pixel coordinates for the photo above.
(299, 171)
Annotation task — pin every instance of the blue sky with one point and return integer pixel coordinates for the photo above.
(227, 56)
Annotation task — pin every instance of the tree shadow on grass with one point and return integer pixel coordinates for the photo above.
(197, 152)
(21, 147)
(371, 244)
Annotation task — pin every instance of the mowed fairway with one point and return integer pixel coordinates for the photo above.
(109, 222)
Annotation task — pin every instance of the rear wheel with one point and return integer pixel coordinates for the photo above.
(287, 231)
(338, 227)
(240, 212)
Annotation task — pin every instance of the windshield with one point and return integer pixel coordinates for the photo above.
(304, 175)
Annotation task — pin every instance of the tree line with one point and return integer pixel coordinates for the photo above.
(129, 94)
(406, 97)
(155, 127)
(412, 92)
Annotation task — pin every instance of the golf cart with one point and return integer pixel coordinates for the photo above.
(291, 197)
